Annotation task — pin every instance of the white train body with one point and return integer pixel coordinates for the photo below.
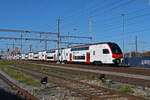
(23, 56)
(65, 55)
(51, 55)
(16, 57)
(42, 55)
(30, 56)
(26, 56)
(36, 56)
(106, 53)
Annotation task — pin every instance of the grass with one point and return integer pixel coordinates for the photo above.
(19, 76)
(108, 85)
(46, 69)
(30, 67)
(34, 67)
(4, 61)
(127, 89)
(82, 77)
(9, 62)
(85, 77)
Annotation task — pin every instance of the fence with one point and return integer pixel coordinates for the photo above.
(139, 62)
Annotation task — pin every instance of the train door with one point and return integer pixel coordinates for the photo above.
(54, 57)
(45, 57)
(87, 57)
(70, 57)
(106, 55)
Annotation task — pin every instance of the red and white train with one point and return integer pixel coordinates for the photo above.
(98, 53)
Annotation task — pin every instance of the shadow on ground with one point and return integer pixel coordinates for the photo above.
(4, 95)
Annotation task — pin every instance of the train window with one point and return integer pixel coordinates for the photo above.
(93, 52)
(49, 57)
(73, 57)
(59, 54)
(66, 54)
(79, 57)
(115, 48)
(105, 51)
(50, 52)
(80, 49)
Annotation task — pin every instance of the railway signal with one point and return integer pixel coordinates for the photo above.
(102, 77)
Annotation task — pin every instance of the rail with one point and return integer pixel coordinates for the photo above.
(85, 89)
(20, 91)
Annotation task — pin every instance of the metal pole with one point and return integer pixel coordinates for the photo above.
(130, 51)
(13, 46)
(21, 43)
(21, 47)
(45, 45)
(30, 48)
(136, 44)
(68, 40)
(123, 32)
(58, 39)
(90, 29)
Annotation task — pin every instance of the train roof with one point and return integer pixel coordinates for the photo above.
(85, 45)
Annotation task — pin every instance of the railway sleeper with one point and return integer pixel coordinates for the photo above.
(115, 97)
(111, 91)
(101, 94)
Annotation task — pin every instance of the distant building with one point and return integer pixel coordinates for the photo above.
(9, 53)
(146, 54)
(16, 50)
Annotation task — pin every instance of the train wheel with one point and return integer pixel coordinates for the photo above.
(65, 62)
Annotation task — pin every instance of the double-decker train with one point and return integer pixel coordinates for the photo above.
(98, 53)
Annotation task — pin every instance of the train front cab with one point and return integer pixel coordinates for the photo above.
(116, 52)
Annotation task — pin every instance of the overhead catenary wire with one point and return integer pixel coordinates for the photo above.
(81, 14)
(124, 3)
(116, 18)
(121, 4)
(71, 14)
(109, 5)
(127, 33)
(35, 39)
(127, 19)
(26, 31)
(114, 8)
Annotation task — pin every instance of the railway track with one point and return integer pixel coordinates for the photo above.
(141, 81)
(121, 69)
(128, 70)
(19, 90)
(90, 91)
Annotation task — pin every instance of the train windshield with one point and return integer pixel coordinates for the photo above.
(115, 48)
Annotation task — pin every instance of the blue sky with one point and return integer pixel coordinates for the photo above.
(42, 15)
